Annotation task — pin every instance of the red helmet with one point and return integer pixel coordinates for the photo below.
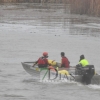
(45, 54)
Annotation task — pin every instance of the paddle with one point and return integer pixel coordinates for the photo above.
(30, 62)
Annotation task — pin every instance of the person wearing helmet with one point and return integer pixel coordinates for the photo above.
(42, 61)
(64, 61)
(83, 62)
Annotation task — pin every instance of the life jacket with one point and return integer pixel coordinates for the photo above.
(52, 62)
(52, 68)
(65, 62)
(64, 72)
(41, 61)
(84, 62)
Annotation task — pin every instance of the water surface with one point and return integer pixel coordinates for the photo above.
(27, 30)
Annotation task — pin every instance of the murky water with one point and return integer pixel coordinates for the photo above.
(26, 30)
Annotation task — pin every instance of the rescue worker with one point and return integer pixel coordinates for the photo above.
(42, 61)
(87, 71)
(83, 62)
(64, 61)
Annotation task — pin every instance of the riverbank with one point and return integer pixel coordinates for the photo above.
(88, 7)
(34, 1)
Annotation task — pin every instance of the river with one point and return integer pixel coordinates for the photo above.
(27, 30)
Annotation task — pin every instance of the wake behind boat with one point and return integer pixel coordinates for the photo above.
(35, 72)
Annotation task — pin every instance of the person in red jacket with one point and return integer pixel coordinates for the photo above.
(42, 61)
(64, 61)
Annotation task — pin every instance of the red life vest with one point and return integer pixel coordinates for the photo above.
(65, 62)
(42, 61)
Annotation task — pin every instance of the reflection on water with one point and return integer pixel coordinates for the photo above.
(55, 18)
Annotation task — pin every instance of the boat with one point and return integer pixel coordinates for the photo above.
(35, 72)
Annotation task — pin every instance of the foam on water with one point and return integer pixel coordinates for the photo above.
(95, 87)
(58, 81)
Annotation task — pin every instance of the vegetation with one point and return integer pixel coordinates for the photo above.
(35, 1)
(90, 7)
(18, 1)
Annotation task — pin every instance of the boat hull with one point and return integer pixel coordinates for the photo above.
(35, 71)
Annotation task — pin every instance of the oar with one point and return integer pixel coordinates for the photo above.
(30, 62)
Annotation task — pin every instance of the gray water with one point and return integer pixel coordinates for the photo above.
(27, 30)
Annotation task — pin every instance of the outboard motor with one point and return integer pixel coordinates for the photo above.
(87, 73)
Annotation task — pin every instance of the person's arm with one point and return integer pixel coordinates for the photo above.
(35, 63)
